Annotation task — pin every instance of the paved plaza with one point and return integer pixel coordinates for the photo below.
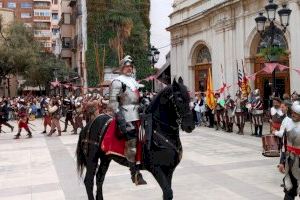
(215, 166)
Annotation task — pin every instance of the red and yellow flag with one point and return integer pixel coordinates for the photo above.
(210, 98)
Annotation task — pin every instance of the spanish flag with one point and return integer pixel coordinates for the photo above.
(210, 98)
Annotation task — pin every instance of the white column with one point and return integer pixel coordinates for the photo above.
(295, 45)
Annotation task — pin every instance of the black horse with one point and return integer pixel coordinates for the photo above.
(170, 111)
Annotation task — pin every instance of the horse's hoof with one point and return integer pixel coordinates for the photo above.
(139, 180)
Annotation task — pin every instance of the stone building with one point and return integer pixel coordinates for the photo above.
(208, 34)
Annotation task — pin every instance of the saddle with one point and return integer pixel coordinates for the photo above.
(112, 144)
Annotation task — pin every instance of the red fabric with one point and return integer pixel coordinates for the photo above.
(270, 67)
(113, 145)
(47, 120)
(23, 125)
(276, 126)
(293, 150)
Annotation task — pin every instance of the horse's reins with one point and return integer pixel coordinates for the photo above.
(178, 121)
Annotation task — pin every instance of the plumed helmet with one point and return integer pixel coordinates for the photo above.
(126, 61)
(296, 107)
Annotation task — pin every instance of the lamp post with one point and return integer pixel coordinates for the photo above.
(153, 58)
(284, 14)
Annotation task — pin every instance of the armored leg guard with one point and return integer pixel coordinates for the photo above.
(130, 153)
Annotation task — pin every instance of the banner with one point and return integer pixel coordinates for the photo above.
(210, 98)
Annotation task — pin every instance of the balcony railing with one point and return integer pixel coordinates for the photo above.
(41, 18)
(42, 28)
(42, 7)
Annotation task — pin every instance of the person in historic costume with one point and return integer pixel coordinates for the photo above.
(257, 111)
(78, 117)
(124, 102)
(229, 114)
(276, 114)
(46, 116)
(240, 103)
(54, 110)
(292, 161)
(69, 113)
(285, 108)
(218, 111)
(23, 119)
(4, 112)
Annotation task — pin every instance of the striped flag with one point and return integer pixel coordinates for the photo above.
(240, 78)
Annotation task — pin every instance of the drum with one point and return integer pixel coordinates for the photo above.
(271, 146)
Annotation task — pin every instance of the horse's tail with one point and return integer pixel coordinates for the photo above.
(81, 158)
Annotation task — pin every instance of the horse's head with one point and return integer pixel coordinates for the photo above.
(181, 99)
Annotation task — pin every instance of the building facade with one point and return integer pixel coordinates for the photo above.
(220, 34)
(73, 36)
(42, 15)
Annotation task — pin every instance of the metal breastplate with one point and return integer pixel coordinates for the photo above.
(129, 104)
(293, 137)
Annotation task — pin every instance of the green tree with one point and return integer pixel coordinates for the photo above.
(43, 71)
(18, 50)
(123, 28)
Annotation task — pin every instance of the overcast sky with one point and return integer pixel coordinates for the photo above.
(160, 10)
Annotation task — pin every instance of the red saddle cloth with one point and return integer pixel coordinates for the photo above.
(112, 145)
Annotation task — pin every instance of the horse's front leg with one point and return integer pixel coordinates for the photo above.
(104, 165)
(163, 181)
(89, 177)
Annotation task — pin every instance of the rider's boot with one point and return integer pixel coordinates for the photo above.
(130, 153)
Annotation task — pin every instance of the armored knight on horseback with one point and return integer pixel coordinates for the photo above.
(124, 102)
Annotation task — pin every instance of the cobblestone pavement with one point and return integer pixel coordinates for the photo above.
(215, 166)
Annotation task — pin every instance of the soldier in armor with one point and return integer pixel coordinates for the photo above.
(47, 117)
(23, 119)
(78, 117)
(124, 102)
(54, 110)
(257, 111)
(292, 161)
(229, 114)
(69, 113)
(219, 110)
(240, 103)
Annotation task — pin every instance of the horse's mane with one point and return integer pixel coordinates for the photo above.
(155, 102)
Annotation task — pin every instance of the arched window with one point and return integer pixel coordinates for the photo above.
(203, 55)
(266, 40)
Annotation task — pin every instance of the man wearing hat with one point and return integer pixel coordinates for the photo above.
(229, 113)
(124, 102)
(257, 111)
(292, 160)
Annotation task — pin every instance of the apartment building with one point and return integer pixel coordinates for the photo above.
(71, 33)
(42, 15)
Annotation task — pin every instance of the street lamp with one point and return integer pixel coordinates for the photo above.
(153, 57)
(261, 20)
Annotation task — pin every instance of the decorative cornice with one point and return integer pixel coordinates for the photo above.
(225, 24)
